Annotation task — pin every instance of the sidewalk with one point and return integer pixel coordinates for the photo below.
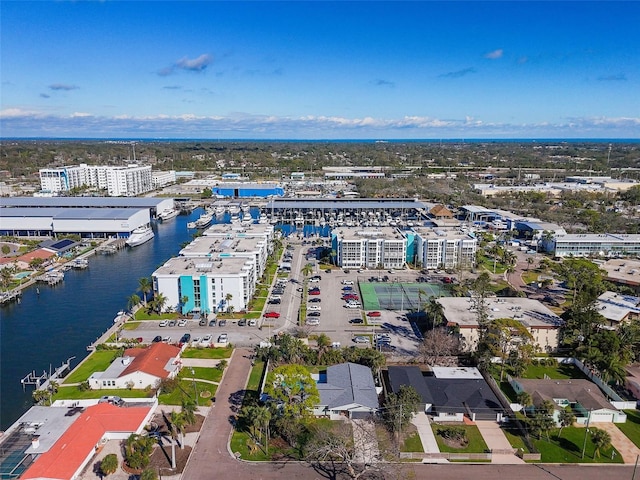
(428, 439)
(626, 447)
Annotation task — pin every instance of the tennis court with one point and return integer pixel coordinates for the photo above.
(398, 295)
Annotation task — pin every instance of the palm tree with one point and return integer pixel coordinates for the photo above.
(524, 399)
(323, 342)
(189, 412)
(436, 312)
(530, 261)
(262, 418)
(144, 285)
(307, 270)
(601, 439)
(178, 422)
(132, 301)
(566, 419)
(227, 298)
(159, 301)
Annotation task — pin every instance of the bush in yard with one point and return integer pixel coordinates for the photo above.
(109, 464)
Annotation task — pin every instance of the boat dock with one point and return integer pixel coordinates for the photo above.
(52, 278)
(13, 295)
(42, 382)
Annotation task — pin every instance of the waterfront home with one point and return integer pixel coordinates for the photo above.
(139, 368)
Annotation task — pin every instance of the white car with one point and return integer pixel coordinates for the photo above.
(314, 308)
(252, 322)
(313, 321)
(182, 323)
(163, 323)
(206, 340)
(361, 339)
(347, 282)
(223, 338)
(352, 305)
(314, 280)
(195, 341)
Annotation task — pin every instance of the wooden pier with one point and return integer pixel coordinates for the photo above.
(42, 382)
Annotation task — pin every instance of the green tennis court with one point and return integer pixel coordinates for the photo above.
(398, 296)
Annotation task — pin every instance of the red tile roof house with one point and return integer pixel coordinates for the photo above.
(24, 260)
(139, 368)
(75, 448)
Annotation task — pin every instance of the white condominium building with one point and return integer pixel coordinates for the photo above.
(357, 247)
(203, 284)
(125, 181)
(591, 244)
(439, 248)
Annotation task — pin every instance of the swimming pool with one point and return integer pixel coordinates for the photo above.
(21, 275)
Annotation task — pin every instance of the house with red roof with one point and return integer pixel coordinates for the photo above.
(77, 445)
(44, 254)
(139, 368)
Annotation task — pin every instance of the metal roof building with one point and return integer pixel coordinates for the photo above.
(86, 222)
(154, 204)
(345, 204)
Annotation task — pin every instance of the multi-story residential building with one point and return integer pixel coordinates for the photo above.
(162, 179)
(593, 245)
(440, 248)
(63, 179)
(118, 181)
(203, 284)
(357, 247)
(461, 313)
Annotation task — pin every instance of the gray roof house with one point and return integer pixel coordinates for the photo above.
(346, 389)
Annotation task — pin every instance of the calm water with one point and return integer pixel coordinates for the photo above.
(61, 321)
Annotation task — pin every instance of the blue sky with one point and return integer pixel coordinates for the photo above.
(320, 70)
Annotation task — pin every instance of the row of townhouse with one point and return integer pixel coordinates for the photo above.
(217, 271)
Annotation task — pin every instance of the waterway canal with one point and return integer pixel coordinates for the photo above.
(47, 328)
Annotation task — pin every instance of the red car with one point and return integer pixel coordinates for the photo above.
(314, 292)
(374, 314)
(350, 296)
(272, 315)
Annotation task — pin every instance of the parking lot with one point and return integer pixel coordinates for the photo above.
(326, 313)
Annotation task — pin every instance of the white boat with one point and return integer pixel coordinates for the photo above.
(191, 225)
(263, 219)
(245, 207)
(140, 235)
(205, 220)
(168, 214)
(120, 317)
(219, 210)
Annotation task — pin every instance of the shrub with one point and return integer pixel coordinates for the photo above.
(534, 362)
(84, 386)
(168, 385)
(454, 433)
(109, 464)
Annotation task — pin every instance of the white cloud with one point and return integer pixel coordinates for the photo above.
(495, 54)
(16, 122)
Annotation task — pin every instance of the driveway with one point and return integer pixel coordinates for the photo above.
(626, 447)
(501, 449)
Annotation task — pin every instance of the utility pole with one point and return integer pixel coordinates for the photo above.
(586, 431)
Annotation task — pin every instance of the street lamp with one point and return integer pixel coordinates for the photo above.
(195, 387)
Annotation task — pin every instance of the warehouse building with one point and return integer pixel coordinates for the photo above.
(247, 190)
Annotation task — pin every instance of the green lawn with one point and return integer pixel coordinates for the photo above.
(143, 315)
(207, 353)
(476, 442)
(412, 444)
(98, 361)
(203, 373)
(187, 390)
(514, 436)
(568, 448)
(74, 393)
(255, 377)
(556, 372)
(131, 325)
(632, 426)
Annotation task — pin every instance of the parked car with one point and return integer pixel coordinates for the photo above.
(166, 339)
(347, 288)
(195, 341)
(347, 282)
(223, 338)
(206, 340)
(183, 323)
(272, 315)
(274, 301)
(314, 280)
(156, 339)
(253, 322)
(186, 338)
(314, 314)
(374, 314)
(163, 323)
(314, 292)
(352, 305)
(350, 296)
(314, 308)
(315, 300)
(242, 322)
(203, 322)
(313, 322)
(212, 323)
(361, 339)
(222, 323)
(356, 320)
(172, 323)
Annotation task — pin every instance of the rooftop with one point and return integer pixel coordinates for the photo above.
(220, 247)
(346, 384)
(531, 313)
(360, 233)
(230, 266)
(345, 203)
(616, 306)
(584, 392)
(623, 271)
(83, 202)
